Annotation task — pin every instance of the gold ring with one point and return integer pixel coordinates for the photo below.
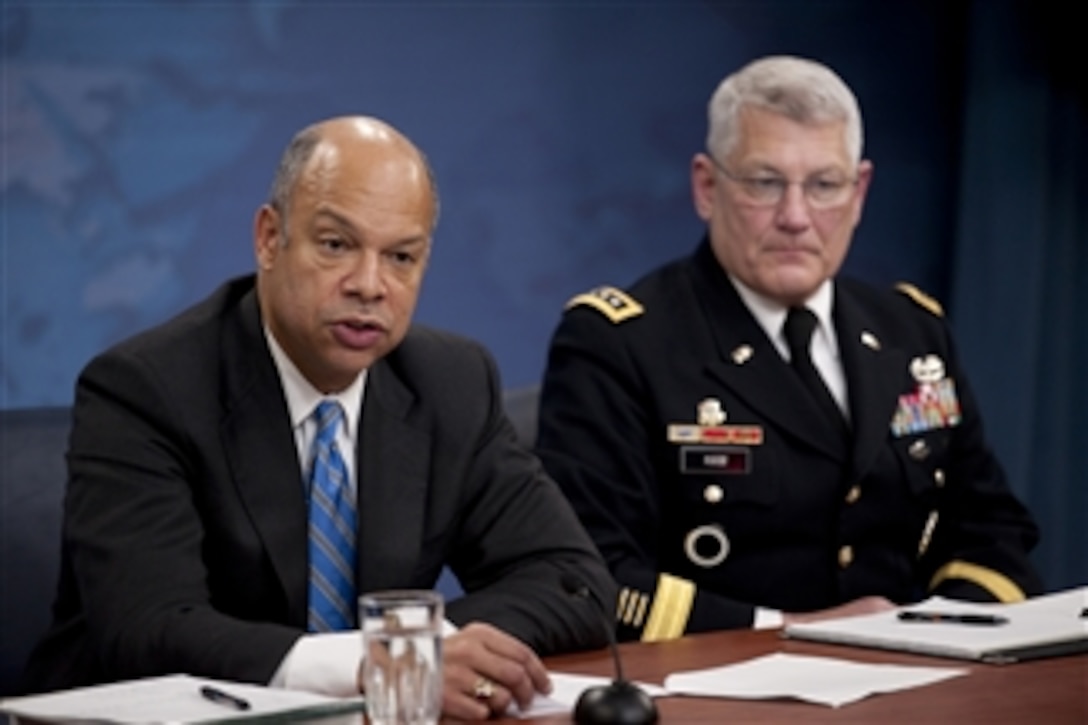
(483, 689)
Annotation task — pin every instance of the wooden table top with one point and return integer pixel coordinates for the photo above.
(1043, 691)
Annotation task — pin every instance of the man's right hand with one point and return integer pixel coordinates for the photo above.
(864, 605)
(485, 670)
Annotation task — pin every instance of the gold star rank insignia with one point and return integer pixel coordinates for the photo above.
(613, 303)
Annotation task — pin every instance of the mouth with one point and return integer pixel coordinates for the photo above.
(791, 251)
(358, 334)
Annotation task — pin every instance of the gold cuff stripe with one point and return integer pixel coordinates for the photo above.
(613, 303)
(629, 611)
(640, 613)
(671, 608)
(622, 604)
(994, 582)
(921, 298)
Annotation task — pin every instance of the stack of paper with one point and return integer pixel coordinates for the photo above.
(174, 699)
(1045, 626)
(822, 680)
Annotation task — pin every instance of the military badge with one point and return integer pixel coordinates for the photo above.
(929, 369)
(707, 545)
(709, 412)
(932, 405)
(710, 416)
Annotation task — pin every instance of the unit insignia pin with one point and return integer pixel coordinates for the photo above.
(742, 354)
(706, 545)
(869, 340)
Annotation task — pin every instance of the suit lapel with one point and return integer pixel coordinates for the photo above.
(762, 379)
(261, 450)
(393, 459)
(874, 374)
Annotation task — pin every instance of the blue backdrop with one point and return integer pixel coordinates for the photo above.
(138, 139)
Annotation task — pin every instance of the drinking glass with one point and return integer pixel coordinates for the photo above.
(402, 650)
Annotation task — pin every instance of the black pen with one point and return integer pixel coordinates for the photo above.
(987, 620)
(216, 695)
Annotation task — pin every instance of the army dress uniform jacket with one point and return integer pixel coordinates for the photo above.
(763, 503)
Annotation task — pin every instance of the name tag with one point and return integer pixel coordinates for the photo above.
(715, 460)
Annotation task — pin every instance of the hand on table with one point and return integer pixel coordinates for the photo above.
(485, 670)
(863, 605)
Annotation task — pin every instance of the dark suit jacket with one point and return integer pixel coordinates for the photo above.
(185, 535)
(808, 520)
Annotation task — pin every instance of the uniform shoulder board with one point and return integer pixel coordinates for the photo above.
(921, 298)
(615, 304)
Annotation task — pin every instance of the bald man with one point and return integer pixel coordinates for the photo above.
(187, 522)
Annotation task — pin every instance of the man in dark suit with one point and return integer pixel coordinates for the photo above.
(751, 441)
(186, 523)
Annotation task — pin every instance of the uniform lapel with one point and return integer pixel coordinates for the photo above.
(874, 376)
(393, 461)
(261, 451)
(762, 378)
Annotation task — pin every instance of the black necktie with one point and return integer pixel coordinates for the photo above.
(800, 322)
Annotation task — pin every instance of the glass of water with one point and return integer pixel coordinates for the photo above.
(402, 650)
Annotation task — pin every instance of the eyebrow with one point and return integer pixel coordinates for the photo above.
(343, 221)
(762, 167)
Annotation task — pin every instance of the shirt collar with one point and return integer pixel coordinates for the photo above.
(771, 314)
(302, 397)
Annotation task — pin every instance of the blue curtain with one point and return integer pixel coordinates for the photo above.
(1020, 282)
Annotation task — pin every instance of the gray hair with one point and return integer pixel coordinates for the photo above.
(801, 90)
(298, 154)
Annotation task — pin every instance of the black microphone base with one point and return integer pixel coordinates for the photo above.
(621, 703)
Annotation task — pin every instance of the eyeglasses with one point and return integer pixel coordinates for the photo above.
(822, 191)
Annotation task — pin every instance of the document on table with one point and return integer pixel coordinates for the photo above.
(173, 699)
(1043, 626)
(566, 689)
(822, 680)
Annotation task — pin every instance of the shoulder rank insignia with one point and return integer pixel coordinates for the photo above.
(615, 304)
(921, 298)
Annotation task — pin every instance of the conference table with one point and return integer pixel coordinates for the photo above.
(1046, 691)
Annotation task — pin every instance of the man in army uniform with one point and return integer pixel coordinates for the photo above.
(751, 440)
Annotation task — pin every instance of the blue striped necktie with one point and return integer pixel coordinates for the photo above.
(332, 529)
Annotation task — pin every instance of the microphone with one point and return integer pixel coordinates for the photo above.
(620, 702)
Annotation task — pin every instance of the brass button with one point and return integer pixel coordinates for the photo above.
(846, 556)
(938, 477)
(853, 494)
(713, 493)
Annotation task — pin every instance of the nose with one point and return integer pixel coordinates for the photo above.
(793, 213)
(365, 280)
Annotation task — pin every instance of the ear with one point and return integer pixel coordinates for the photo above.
(267, 236)
(865, 177)
(703, 185)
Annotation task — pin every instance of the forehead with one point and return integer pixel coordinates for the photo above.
(775, 140)
(367, 185)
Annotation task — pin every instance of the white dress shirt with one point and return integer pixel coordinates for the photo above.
(325, 662)
(824, 350)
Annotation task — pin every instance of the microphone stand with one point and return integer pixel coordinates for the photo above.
(618, 703)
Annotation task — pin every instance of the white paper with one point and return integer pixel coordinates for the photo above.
(1044, 620)
(566, 689)
(172, 699)
(821, 680)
